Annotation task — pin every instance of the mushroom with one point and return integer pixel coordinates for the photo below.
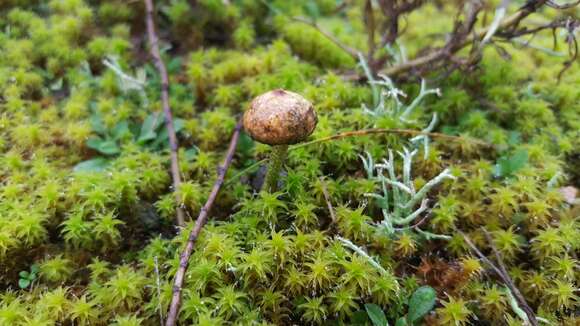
(279, 118)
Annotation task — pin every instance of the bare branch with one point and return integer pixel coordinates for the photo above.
(199, 223)
(463, 36)
(501, 271)
(154, 48)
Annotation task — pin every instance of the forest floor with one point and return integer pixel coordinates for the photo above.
(443, 197)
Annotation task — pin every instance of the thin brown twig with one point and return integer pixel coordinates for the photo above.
(408, 132)
(501, 271)
(327, 199)
(509, 282)
(350, 51)
(154, 49)
(199, 223)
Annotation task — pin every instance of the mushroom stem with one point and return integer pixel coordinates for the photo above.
(277, 159)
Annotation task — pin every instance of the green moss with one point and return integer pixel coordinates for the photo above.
(104, 238)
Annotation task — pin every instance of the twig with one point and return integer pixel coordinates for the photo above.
(502, 273)
(350, 51)
(408, 132)
(509, 282)
(199, 223)
(453, 46)
(154, 48)
(327, 198)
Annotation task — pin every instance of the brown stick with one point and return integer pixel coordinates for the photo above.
(502, 273)
(199, 223)
(154, 49)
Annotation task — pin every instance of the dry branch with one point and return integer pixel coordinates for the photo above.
(199, 223)
(501, 271)
(463, 35)
(455, 44)
(174, 147)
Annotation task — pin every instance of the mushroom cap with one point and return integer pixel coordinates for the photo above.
(280, 117)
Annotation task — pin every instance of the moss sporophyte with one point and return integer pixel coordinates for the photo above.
(279, 118)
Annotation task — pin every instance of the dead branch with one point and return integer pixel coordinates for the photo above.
(572, 47)
(460, 38)
(463, 35)
(199, 223)
(174, 147)
(393, 10)
(501, 271)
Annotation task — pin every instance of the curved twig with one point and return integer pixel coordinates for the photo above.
(174, 146)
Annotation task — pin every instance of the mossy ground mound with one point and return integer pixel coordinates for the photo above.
(85, 189)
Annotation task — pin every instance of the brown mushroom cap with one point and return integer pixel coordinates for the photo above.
(280, 117)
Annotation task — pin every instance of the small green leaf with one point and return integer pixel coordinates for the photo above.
(149, 127)
(178, 125)
(422, 301)
(311, 9)
(360, 317)
(401, 322)
(376, 315)
(245, 145)
(120, 130)
(35, 268)
(23, 283)
(104, 146)
(97, 125)
(174, 65)
(24, 274)
(507, 165)
(98, 164)
(191, 153)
